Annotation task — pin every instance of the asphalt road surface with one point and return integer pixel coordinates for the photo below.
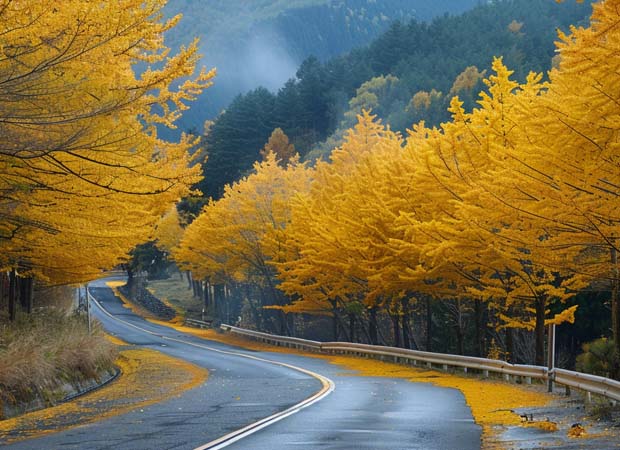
(360, 413)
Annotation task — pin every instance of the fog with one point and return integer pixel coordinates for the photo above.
(266, 63)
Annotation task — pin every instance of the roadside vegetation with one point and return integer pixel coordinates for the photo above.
(148, 377)
(42, 352)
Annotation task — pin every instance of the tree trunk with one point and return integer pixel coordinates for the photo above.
(335, 329)
(460, 335)
(217, 302)
(352, 327)
(207, 295)
(130, 277)
(26, 294)
(615, 310)
(3, 282)
(372, 326)
(396, 329)
(284, 331)
(188, 276)
(429, 325)
(541, 304)
(12, 295)
(405, 324)
(258, 317)
(510, 345)
(480, 328)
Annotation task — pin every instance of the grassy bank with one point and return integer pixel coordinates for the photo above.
(43, 351)
(175, 292)
(147, 377)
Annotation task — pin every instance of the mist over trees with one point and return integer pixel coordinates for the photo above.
(262, 43)
(423, 64)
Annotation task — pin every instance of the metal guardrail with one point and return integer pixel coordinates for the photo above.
(281, 341)
(589, 383)
(586, 382)
(198, 323)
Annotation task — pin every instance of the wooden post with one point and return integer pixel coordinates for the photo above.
(87, 307)
(550, 356)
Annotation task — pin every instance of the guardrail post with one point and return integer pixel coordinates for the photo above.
(588, 397)
(88, 308)
(507, 376)
(429, 365)
(528, 380)
(550, 355)
(485, 373)
(445, 367)
(464, 369)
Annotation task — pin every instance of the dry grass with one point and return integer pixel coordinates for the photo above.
(40, 352)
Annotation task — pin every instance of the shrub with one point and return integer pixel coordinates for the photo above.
(598, 358)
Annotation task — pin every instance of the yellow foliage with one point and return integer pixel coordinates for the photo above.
(370, 95)
(84, 175)
(566, 316)
(544, 425)
(330, 236)
(279, 145)
(577, 431)
(168, 230)
(467, 80)
(424, 99)
(514, 203)
(515, 27)
(241, 235)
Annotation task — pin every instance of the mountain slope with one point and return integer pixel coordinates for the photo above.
(385, 76)
(262, 42)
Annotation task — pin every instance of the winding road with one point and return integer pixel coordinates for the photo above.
(341, 410)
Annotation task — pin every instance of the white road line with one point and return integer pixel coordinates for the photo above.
(328, 387)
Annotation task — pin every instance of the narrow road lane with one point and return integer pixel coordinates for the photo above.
(362, 412)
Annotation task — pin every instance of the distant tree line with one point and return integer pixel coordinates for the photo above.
(425, 58)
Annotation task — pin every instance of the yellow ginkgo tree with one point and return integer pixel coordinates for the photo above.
(239, 237)
(567, 161)
(84, 176)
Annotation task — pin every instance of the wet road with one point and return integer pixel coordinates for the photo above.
(361, 413)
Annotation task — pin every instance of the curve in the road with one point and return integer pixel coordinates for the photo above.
(328, 387)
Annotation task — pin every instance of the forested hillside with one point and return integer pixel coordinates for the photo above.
(407, 74)
(261, 43)
(470, 237)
